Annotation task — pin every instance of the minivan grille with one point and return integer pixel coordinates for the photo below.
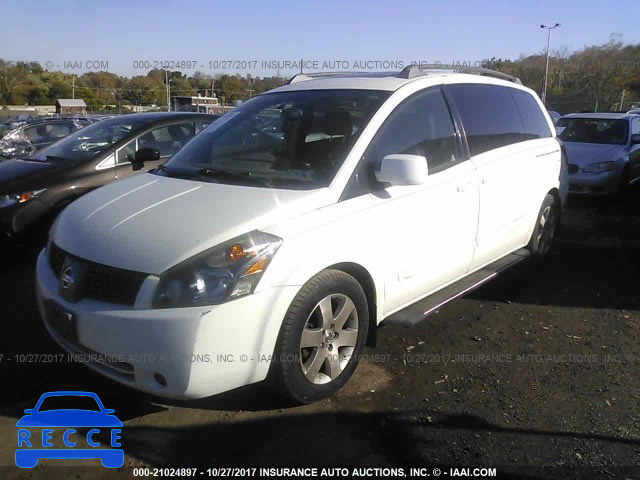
(105, 283)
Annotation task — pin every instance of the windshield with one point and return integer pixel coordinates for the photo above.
(67, 402)
(91, 140)
(593, 130)
(295, 140)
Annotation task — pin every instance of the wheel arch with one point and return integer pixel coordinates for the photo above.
(364, 278)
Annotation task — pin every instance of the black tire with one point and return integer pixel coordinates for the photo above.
(547, 224)
(306, 374)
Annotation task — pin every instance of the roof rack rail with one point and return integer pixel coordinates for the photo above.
(301, 77)
(491, 73)
(412, 71)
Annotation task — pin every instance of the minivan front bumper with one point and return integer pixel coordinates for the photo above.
(180, 353)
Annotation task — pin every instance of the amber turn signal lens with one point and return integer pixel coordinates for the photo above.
(24, 197)
(257, 267)
(236, 252)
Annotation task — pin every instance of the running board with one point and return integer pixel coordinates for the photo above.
(417, 312)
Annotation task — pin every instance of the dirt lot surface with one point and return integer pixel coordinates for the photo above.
(540, 368)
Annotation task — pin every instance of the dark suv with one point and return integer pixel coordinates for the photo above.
(40, 186)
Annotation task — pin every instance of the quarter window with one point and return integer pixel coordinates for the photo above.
(534, 121)
(489, 115)
(126, 153)
(635, 126)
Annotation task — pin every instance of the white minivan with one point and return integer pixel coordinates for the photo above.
(275, 242)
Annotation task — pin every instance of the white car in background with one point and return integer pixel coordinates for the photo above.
(251, 256)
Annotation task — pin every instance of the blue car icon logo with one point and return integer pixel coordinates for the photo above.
(80, 424)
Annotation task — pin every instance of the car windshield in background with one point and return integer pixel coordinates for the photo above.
(295, 140)
(91, 140)
(593, 130)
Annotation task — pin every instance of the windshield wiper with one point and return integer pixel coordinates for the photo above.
(224, 173)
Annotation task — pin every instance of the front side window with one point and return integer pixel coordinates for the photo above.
(421, 125)
(594, 130)
(88, 142)
(168, 139)
(489, 116)
(296, 139)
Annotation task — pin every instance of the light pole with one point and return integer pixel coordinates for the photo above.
(166, 78)
(546, 71)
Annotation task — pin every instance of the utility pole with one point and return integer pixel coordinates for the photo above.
(622, 99)
(546, 71)
(166, 78)
(73, 86)
(250, 93)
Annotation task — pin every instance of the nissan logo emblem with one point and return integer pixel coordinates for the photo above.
(67, 278)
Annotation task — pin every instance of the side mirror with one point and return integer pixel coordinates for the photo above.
(145, 154)
(401, 169)
(635, 139)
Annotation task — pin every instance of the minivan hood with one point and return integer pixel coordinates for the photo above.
(148, 223)
(583, 154)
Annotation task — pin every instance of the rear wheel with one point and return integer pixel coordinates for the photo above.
(546, 226)
(322, 337)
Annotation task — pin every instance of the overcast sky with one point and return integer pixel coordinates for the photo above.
(127, 37)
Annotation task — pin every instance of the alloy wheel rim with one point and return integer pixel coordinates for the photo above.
(328, 339)
(546, 230)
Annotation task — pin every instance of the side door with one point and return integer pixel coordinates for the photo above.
(494, 131)
(426, 233)
(167, 139)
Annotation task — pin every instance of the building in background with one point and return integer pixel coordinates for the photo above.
(197, 104)
(71, 106)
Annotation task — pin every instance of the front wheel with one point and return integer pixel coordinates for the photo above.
(546, 226)
(322, 337)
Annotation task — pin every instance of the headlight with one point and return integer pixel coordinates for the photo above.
(225, 272)
(14, 199)
(600, 167)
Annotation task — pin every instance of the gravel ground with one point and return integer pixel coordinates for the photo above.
(540, 368)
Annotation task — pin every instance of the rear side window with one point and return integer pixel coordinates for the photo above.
(489, 116)
(534, 121)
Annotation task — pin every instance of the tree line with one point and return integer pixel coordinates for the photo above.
(27, 83)
(597, 78)
(593, 78)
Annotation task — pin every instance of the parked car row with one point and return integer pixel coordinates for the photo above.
(603, 151)
(281, 236)
(36, 188)
(25, 139)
